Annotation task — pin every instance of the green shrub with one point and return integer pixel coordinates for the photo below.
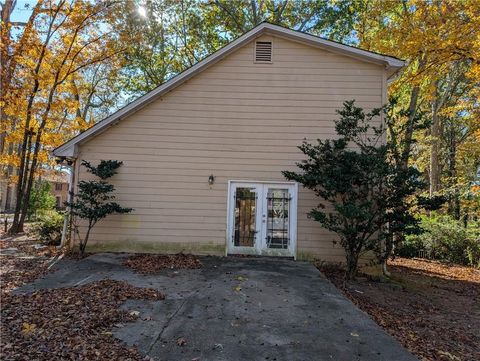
(444, 238)
(473, 249)
(411, 247)
(50, 227)
(41, 199)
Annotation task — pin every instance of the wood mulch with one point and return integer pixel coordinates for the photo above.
(432, 308)
(154, 263)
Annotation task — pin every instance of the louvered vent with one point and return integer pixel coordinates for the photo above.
(263, 52)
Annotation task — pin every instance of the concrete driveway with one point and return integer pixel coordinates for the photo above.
(238, 309)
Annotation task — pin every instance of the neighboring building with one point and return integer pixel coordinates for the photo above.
(203, 153)
(59, 183)
(59, 186)
(7, 196)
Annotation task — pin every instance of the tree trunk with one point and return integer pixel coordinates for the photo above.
(5, 32)
(385, 269)
(352, 264)
(83, 244)
(412, 118)
(17, 225)
(8, 66)
(440, 98)
(454, 203)
(28, 189)
(10, 188)
(435, 149)
(410, 127)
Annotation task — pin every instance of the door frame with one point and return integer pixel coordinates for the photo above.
(259, 248)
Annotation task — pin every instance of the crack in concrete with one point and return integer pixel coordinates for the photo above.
(167, 324)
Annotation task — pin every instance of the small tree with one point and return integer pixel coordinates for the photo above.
(41, 198)
(93, 201)
(364, 195)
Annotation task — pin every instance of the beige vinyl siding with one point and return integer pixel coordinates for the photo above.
(237, 120)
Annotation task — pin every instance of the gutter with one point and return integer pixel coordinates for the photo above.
(71, 163)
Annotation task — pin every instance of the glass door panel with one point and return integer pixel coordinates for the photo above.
(278, 222)
(245, 225)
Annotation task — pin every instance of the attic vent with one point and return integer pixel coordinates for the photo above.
(263, 52)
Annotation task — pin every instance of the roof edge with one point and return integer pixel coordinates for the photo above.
(337, 46)
(393, 66)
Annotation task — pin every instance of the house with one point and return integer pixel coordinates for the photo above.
(203, 153)
(7, 195)
(59, 184)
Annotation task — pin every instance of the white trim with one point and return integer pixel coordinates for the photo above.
(383, 118)
(338, 47)
(392, 65)
(259, 181)
(260, 248)
(294, 219)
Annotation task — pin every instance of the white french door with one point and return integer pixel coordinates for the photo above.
(262, 218)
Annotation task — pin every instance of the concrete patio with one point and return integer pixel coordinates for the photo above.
(237, 309)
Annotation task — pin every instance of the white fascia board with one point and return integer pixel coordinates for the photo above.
(338, 47)
(67, 152)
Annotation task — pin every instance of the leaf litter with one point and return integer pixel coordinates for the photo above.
(27, 263)
(432, 308)
(69, 323)
(154, 263)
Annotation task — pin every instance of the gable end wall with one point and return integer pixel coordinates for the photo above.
(237, 120)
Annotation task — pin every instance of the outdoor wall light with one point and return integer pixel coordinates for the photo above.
(211, 179)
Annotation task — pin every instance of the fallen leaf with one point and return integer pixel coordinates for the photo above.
(181, 341)
(28, 328)
(449, 355)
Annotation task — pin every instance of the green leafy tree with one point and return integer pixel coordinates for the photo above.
(41, 198)
(161, 38)
(94, 199)
(365, 196)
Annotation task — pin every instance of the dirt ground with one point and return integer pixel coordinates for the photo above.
(433, 309)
